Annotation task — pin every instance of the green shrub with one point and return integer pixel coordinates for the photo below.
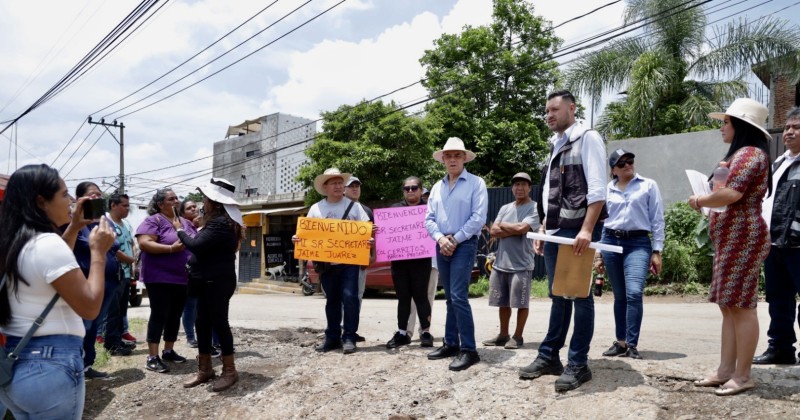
(540, 288)
(479, 288)
(687, 250)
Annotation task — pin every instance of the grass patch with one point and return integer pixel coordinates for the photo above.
(137, 327)
(540, 288)
(479, 288)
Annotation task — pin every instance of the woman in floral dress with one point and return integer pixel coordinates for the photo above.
(741, 241)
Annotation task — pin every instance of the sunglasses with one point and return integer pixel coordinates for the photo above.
(621, 163)
(411, 188)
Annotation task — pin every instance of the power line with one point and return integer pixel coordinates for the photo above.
(191, 58)
(102, 133)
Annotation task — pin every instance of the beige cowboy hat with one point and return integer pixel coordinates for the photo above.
(453, 144)
(747, 110)
(221, 191)
(329, 173)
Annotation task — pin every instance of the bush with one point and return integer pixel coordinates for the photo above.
(479, 288)
(687, 251)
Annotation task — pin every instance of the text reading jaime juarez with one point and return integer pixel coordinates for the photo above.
(401, 234)
(330, 240)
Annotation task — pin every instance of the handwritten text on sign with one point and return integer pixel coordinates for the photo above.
(401, 234)
(333, 240)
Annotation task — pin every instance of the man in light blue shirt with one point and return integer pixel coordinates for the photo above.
(457, 209)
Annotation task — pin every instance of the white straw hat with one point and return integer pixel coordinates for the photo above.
(747, 110)
(329, 173)
(453, 144)
(220, 190)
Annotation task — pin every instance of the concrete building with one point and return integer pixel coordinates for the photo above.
(262, 157)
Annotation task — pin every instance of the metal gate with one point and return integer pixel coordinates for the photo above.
(250, 255)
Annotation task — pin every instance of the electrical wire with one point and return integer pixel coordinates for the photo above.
(102, 133)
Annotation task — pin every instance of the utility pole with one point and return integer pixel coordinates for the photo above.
(121, 142)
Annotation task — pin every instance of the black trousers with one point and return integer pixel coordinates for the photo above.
(213, 303)
(116, 312)
(166, 307)
(410, 278)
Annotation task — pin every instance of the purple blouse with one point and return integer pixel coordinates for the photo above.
(164, 268)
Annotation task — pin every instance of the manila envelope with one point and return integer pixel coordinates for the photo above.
(573, 276)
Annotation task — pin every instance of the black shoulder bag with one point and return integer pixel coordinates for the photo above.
(320, 266)
(7, 359)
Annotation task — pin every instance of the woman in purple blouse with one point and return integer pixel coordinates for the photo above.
(163, 272)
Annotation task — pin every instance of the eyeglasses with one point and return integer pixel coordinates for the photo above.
(621, 163)
(411, 188)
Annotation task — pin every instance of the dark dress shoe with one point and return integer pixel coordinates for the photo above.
(329, 345)
(775, 357)
(464, 360)
(443, 352)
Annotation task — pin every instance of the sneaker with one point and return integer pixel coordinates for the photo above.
(215, 352)
(425, 339)
(514, 343)
(616, 349)
(349, 347)
(128, 337)
(155, 364)
(191, 342)
(573, 377)
(398, 340)
(119, 351)
(94, 374)
(632, 353)
(128, 344)
(360, 339)
(498, 341)
(172, 356)
(100, 339)
(541, 366)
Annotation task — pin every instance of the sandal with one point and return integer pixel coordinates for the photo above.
(724, 391)
(708, 382)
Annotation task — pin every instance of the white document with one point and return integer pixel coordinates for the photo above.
(699, 183)
(571, 241)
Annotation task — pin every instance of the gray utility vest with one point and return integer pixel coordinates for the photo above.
(566, 203)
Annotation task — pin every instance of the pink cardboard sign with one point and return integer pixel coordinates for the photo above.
(401, 234)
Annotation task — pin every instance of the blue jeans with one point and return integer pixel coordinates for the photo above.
(782, 284)
(454, 273)
(189, 317)
(340, 283)
(48, 379)
(561, 311)
(91, 325)
(627, 273)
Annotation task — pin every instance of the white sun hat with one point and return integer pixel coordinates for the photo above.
(747, 110)
(453, 144)
(220, 190)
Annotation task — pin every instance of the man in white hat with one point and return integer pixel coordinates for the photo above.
(340, 281)
(352, 190)
(457, 209)
(510, 281)
(573, 199)
(781, 211)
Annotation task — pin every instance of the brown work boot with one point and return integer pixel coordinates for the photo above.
(204, 374)
(229, 375)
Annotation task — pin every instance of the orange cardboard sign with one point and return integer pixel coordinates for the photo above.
(333, 240)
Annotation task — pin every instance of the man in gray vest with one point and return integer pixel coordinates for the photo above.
(573, 199)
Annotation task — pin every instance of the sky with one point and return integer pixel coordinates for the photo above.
(359, 49)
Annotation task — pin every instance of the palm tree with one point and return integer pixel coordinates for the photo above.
(673, 75)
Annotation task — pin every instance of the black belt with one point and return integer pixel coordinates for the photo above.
(624, 234)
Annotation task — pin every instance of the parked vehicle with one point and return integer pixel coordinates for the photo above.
(379, 277)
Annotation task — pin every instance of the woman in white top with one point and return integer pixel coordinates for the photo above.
(48, 378)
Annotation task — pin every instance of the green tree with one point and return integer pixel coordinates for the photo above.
(376, 142)
(490, 83)
(195, 196)
(674, 75)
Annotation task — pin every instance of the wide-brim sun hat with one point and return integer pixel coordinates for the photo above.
(453, 144)
(220, 190)
(329, 173)
(750, 111)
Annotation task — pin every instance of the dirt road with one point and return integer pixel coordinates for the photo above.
(282, 377)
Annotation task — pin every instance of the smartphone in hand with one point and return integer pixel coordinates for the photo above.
(94, 208)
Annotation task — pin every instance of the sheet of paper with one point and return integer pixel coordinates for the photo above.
(699, 183)
(570, 241)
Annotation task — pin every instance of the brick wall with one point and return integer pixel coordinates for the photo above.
(785, 98)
